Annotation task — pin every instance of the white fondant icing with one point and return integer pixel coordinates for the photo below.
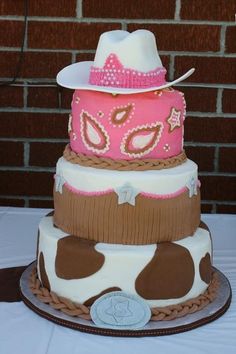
(121, 267)
(93, 134)
(90, 179)
(141, 141)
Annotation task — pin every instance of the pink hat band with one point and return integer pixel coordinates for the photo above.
(114, 74)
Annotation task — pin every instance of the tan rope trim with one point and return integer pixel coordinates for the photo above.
(158, 313)
(122, 165)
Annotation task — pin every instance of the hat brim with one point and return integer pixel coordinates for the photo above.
(76, 76)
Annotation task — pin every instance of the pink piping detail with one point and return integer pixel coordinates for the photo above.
(114, 74)
(165, 196)
(108, 191)
(77, 191)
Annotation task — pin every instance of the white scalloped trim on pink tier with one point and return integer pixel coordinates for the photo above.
(137, 143)
(93, 134)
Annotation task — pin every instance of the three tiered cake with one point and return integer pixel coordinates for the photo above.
(127, 199)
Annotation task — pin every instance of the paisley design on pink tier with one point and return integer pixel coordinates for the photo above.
(141, 140)
(93, 134)
(121, 115)
(147, 109)
(174, 119)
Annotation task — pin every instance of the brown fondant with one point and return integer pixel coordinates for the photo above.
(77, 258)
(51, 213)
(169, 275)
(43, 273)
(121, 164)
(87, 118)
(204, 226)
(205, 268)
(91, 300)
(127, 109)
(100, 218)
(155, 129)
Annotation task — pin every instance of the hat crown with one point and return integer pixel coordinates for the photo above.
(136, 50)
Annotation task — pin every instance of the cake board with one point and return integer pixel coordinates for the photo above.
(154, 328)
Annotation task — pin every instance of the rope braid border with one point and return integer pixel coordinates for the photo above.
(123, 165)
(166, 313)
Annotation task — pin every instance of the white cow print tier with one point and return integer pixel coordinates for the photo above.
(163, 274)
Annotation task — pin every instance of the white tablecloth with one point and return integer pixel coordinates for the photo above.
(24, 332)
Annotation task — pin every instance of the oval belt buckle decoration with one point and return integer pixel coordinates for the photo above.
(120, 310)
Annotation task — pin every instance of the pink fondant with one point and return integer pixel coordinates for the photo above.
(108, 191)
(149, 109)
(77, 191)
(114, 74)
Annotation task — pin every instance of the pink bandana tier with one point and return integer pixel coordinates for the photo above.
(141, 125)
(114, 74)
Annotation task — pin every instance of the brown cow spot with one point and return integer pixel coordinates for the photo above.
(77, 258)
(205, 268)
(169, 275)
(91, 300)
(43, 273)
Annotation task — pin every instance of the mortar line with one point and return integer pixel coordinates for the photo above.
(219, 100)
(117, 20)
(177, 10)
(79, 9)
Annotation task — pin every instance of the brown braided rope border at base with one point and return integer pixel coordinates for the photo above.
(166, 313)
(123, 165)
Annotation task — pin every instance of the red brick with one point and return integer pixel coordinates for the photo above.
(26, 183)
(229, 101)
(206, 208)
(227, 159)
(230, 43)
(12, 202)
(226, 208)
(199, 98)
(45, 154)
(35, 64)
(183, 37)
(41, 203)
(33, 125)
(43, 97)
(11, 33)
(66, 98)
(213, 10)
(218, 188)
(49, 97)
(11, 96)
(11, 153)
(219, 130)
(85, 57)
(67, 35)
(203, 156)
(129, 9)
(208, 69)
(11, 7)
(64, 8)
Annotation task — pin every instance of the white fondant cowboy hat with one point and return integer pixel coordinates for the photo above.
(124, 63)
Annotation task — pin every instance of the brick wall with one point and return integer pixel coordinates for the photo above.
(33, 120)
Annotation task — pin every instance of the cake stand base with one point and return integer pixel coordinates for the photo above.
(154, 328)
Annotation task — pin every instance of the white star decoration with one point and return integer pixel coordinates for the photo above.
(127, 194)
(119, 309)
(192, 187)
(59, 182)
(174, 119)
